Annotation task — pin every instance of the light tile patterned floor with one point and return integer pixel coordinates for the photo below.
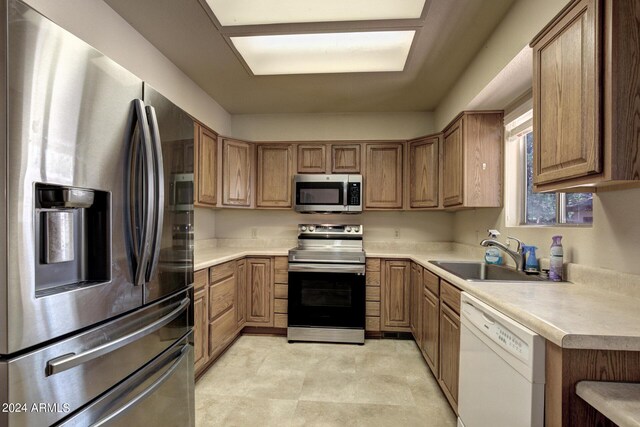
(265, 381)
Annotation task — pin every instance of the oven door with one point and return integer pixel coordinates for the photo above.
(326, 296)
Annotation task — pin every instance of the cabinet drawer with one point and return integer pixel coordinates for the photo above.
(450, 295)
(280, 306)
(281, 263)
(372, 264)
(372, 324)
(373, 278)
(221, 331)
(221, 296)
(200, 279)
(373, 308)
(280, 320)
(281, 276)
(431, 282)
(282, 291)
(372, 293)
(221, 271)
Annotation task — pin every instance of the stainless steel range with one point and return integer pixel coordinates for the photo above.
(327, 284)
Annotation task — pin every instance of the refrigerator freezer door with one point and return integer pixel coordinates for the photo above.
(71, 373)
(171, 268)
(68, 109)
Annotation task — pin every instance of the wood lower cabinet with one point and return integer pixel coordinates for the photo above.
(449, 342)
(345, 158)
(416, 307)
(585, 97)
(396, 296)
(383, 176)
(430, 330)
(281, 292)
(200, 319)
(222, 306)
(260, 300)
(206, 166)
(275, 174)
(472, 160)
(372, 295)
(241, 292)
(312, 158)
(424, 172)
(237, 173)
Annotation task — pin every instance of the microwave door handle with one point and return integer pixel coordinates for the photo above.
(158, 185)
(345, 189)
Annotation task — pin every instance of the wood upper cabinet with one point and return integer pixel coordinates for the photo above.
(566, 97)
(312, 158)
(275, 173)
(383, 176)
(585, 97)
(345, 158)
(206, 166)
(424, 167)
(201, 319)
(472, 160)
(259, 292)
(236, 173)
(395, 296)
(241, 292)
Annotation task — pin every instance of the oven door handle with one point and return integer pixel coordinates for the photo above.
(326, 268)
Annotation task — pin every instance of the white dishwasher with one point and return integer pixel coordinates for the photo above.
(501, 369)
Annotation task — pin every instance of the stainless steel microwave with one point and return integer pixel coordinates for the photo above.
(328, 193)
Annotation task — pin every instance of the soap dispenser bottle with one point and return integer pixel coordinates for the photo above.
(492, 255)
(556, 259)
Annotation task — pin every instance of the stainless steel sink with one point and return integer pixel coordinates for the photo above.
(481, 272)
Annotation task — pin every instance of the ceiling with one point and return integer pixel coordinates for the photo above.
(449, 36)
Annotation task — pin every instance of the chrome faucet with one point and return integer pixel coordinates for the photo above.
(517, 255)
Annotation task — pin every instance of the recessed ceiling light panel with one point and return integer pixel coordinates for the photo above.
(255, 12)
(372, 51)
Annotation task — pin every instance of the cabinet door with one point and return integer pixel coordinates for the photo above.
(241, 296)
(430, 329)
(383, 178)
(452, 165)
(200, 327)
(449, 353)
(565, 95)
(236, 173)
(206, 184)
(345, 158)
(312, 158)
(259, 292)
(416, 302)
(396, 296)
(274, 176)
(423, 173)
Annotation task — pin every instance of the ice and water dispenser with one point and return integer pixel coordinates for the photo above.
(73, 244)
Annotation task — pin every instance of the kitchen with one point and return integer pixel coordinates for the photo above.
(599, 257)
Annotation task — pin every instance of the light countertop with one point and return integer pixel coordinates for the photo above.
(569, 315)
(620, 402)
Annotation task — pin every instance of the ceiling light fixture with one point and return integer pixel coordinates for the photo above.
(256, 12)
(373, 51)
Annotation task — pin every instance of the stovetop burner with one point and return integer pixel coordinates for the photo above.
(329, 243)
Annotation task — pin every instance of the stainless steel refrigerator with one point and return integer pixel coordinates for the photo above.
(96, 237)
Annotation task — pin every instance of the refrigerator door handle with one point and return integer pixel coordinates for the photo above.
(141, 240)
(68, 361)
(147, 392)
(159, 190)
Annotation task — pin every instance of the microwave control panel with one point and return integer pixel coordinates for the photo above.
(353, 194)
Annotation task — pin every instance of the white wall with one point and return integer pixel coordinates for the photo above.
(378, 226)
(523, 21)
(327, 127)
(613, 242)
(100, 26)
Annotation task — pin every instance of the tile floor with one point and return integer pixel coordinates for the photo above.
(265, 381)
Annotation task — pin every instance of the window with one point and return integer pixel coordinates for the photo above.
(540, 208)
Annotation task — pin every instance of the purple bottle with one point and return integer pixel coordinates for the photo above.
(556, 259)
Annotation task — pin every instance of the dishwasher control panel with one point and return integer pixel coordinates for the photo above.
(511, 341)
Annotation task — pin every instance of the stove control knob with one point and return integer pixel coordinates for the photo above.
(356, 229)
(303, 228)
(311, 228)
(348, 229)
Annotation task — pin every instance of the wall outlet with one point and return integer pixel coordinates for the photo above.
(396, 233)
(254, 233)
